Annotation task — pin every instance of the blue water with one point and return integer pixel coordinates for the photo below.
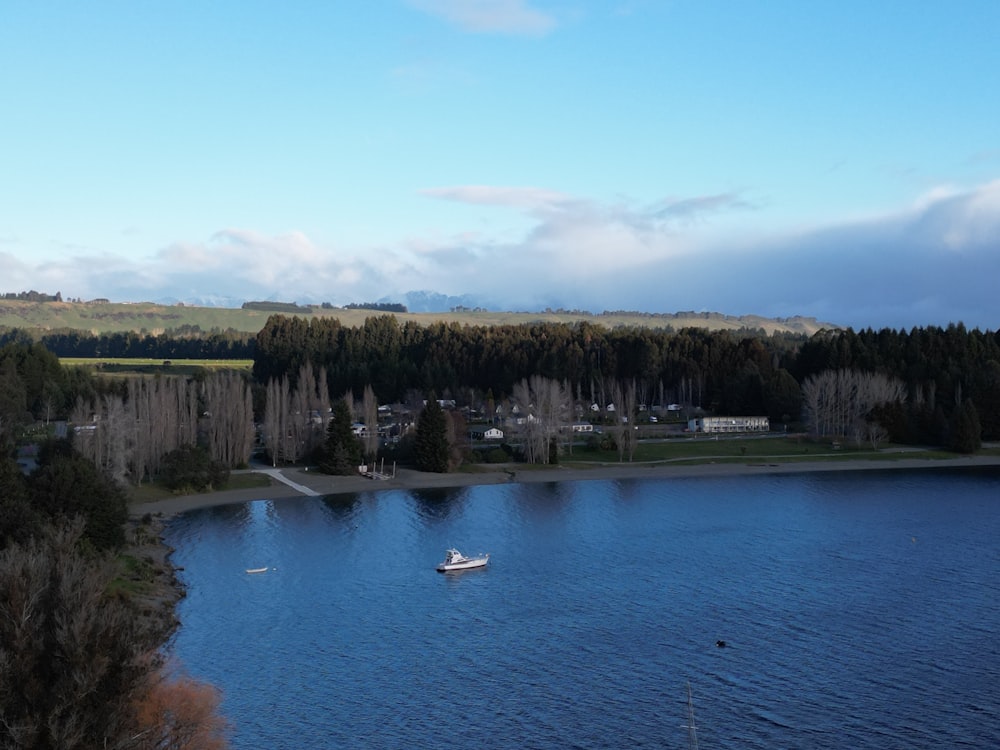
(860, 610)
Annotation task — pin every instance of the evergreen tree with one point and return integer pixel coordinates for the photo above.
(966, 434)
(191, 468)
(430, 449)
(64, 486)
(341, 452)
(19, 521)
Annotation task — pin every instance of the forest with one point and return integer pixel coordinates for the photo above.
(939, 371)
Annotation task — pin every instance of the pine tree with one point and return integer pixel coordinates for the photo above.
(430, 448)
(341, 452)
(966, 434)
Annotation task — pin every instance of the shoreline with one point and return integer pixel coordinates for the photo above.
(300, 482)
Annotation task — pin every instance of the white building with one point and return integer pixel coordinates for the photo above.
(492, 433)
(729, 424)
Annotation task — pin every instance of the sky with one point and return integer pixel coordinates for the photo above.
(838, 160)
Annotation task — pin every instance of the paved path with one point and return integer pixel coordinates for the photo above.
(276, 474)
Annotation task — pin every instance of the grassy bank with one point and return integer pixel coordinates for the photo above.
(705, 449)
(151, 492)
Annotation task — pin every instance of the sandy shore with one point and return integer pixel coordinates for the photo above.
(293, 481)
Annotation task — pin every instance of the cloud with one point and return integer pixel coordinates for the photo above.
(932, 262)
(490, 16)
(694, 208)
(528, 198)
(581, 234)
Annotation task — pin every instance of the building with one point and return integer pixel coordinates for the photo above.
(489, 434)
(729, 424)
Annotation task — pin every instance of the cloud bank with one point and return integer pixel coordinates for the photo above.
(931, 263)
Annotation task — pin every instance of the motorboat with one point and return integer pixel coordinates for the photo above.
(455, 560)
(257, 570)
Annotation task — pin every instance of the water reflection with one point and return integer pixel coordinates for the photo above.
(545, 500)
(342, 508)
(438, 503)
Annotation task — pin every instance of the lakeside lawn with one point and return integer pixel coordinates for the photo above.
(709, 449)
(240, 480)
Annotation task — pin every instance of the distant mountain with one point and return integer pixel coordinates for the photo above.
(431, 302)
(210, 300)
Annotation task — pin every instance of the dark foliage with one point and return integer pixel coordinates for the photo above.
(391, 307)
(19, 521)
(71, 656)
(191, 468)
(183, 342)
(430, 447)
(965, 435)
(66, 485)
(341, 452)
(739, 373)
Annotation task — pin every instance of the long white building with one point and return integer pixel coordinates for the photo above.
(729, 424)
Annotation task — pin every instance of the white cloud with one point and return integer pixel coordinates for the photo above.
(932, 263)
(528, 198)
(490, 16)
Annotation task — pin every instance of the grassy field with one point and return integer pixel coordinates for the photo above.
(146, 317)
(148, 493)
(142, 366)
(753, 449)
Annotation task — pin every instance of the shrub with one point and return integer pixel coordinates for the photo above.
(190, 468)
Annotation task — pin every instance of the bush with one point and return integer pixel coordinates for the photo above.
(497, 456)
(190, 468)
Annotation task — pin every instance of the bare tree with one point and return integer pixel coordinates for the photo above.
(623, 396)
(544, 405)
(877, 434)
(835, 400)
(229, 406)
(71, 661)
(274, 419)
(178, 713)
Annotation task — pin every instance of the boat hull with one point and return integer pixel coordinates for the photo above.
(477, 562)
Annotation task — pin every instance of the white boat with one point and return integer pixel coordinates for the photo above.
(455, 560)
(257, 570)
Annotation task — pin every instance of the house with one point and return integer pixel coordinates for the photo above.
(729, 424)
(491, 433)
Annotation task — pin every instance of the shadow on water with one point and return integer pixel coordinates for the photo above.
(343, 507)
(238, 514)
(438, 503)
(544, 500)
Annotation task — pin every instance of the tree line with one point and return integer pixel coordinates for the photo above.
(183, 342)
(741, 373)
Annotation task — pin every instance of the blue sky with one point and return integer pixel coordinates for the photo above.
(833, 159)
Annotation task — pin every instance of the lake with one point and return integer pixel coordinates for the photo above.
(858, 610)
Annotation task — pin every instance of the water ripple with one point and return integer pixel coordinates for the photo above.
(858, 612)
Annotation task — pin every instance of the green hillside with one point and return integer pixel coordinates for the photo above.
(109, 317)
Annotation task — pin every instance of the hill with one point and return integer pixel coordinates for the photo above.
(145, 317)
